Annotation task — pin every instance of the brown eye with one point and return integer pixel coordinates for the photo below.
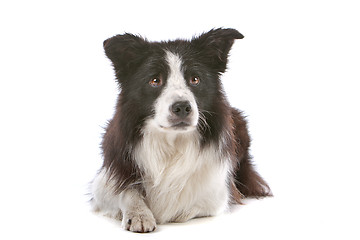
(156, 82)
(194, 81)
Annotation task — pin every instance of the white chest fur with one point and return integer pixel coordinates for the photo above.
(181, 179)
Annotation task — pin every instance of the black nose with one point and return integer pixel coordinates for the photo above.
(181, 109)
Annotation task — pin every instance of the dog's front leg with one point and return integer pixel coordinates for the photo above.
(137, 217)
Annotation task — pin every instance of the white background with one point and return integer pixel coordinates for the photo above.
(295, 75)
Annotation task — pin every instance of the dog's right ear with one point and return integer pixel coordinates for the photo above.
(125, 51)
(214, 46)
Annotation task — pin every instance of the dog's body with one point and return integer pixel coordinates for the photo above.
(175, 149)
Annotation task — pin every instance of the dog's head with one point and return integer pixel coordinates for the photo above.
(171, 86)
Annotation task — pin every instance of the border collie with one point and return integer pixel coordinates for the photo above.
(175, 149)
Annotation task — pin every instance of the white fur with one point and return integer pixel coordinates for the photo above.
(128, 205)
(181, 180)
(174, 91)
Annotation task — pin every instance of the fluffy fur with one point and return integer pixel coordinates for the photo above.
(175, 149)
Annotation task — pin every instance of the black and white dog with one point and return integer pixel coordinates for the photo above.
(175, 149)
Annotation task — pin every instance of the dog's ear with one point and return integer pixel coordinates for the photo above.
(125, 51)
(214, 46)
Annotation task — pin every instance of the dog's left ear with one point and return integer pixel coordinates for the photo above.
(214, 46)
(126, 52)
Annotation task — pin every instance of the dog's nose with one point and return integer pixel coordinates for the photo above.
(181, 109)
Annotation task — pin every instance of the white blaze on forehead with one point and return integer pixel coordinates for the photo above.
(176, 77)
(176, 86)
(175, 90)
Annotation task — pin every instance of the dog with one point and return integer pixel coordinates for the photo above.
(175, 149)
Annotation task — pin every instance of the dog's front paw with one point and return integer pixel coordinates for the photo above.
(142, 222)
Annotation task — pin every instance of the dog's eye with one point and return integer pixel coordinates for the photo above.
(156, 82)
(194, 81)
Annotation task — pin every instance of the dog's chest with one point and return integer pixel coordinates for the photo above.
(182, 180)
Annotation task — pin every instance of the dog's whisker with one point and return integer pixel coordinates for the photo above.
(202, 122)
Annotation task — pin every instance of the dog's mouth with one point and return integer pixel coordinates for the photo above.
(179, 126)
